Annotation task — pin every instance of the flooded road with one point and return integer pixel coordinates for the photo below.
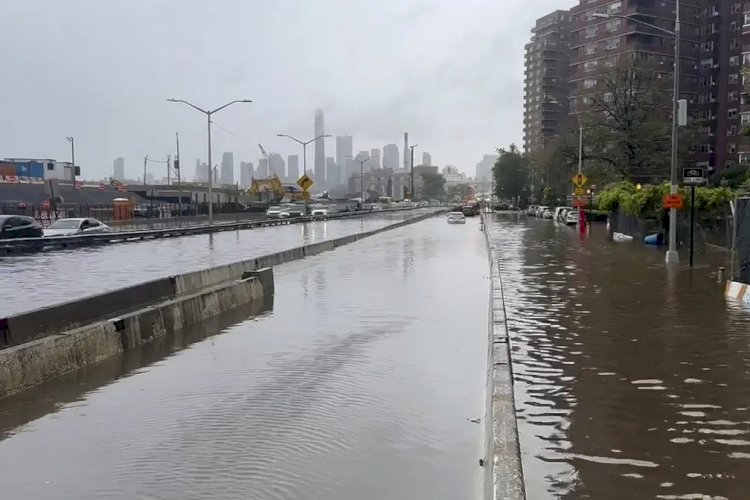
(32, 281)
(630, 382)
(359, 383)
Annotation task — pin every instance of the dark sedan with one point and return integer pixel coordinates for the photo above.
(19, 226)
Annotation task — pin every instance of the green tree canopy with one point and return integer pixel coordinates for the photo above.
(511, 172)
(433, 186)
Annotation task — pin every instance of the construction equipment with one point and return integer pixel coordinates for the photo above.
(271, 189)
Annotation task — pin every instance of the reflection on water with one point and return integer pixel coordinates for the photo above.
(360, 384)
(631, 382)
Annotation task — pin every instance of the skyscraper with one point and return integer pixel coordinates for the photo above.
(227, 169)
(426, 159)
(292, 165)
(246, 174)
(407, 160)
(262, 171)
(277, 165)
(331, 177)
(119, 169)
(374, 162)
(320, 151)
(201, 171)
(390, 156)
(344, 152)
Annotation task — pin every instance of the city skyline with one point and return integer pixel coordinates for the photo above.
(100, 105)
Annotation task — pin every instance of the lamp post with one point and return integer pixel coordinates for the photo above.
(72, 142)
(672, 255)
(304, 147)
(208, 114)
(581, 214)
(411, 181)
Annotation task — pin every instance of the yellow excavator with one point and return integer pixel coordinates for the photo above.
(271, 189)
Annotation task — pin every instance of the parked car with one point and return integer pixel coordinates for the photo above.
(19, 226)
(547, 213)
(560, 213)
(72, 226)
(572, 217)
(275, 212)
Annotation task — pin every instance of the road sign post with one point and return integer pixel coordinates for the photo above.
(580, 180)
(692, 177)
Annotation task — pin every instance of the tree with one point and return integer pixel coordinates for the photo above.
(457, 191)
(433, 186)
(627, 120)
(511, 172)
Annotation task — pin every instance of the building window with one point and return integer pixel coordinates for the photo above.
(614, 7)
(613, 25)
(734, 44)
(50, 166)
(733, 96)
(734, 61)
(734, 26)
(589, 83)
(746, 58)
(704, 149)
(612, 43)
(731, 147)
(744, 158)
(747, 19)
(590, 32)
(731, 131)
(734, 79)
(708, 46)
(732, 113)
(707, 63)
(608, 97)
(590, 66)
(590, 49)
(736, 7)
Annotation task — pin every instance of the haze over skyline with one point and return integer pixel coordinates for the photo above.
(450, 74)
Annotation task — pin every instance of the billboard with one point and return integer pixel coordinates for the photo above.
(27, 172)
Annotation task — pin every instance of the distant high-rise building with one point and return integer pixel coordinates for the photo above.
(201, 171)
(277, 165)
(484, 169)
(292, 165)
(390, 156)
(331, 177)
(262, 171)
(246, 174)
(344, 152)
(320, 151)
(374, 162)
(426, 159)
(227, 169)
(119, 169)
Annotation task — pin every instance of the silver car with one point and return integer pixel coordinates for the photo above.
(74, 226)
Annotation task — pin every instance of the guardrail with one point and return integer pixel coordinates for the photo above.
(29, 245)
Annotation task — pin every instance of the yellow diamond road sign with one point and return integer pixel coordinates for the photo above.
(580, 180)
(579, 191)
(305, 182)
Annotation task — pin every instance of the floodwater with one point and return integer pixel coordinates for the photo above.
(631, 382)
(32, 281)
(360, 382)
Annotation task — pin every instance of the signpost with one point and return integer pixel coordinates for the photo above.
(305, 183)
(692, 177)
(580, 180)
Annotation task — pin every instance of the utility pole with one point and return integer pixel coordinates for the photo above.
(169, 167)
(177, 170)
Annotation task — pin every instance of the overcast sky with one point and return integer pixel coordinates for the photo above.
(449, 72)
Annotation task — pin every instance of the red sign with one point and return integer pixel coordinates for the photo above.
(45, 205)
(674, 201)
(579, 203)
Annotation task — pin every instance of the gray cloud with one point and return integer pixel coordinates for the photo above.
(448, 72)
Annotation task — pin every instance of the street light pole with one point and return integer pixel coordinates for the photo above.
(304, 147)
(208, 114)
(72, 142)
(672, 256)
(411, 181)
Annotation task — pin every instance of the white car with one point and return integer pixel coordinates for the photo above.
(571, 217)
(73, 226)
(276, 213)
(320, 211)
(456, 218)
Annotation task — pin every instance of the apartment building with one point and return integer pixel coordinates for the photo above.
(546, 80)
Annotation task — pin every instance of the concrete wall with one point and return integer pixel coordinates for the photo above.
(34, 362)
(503, 468)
